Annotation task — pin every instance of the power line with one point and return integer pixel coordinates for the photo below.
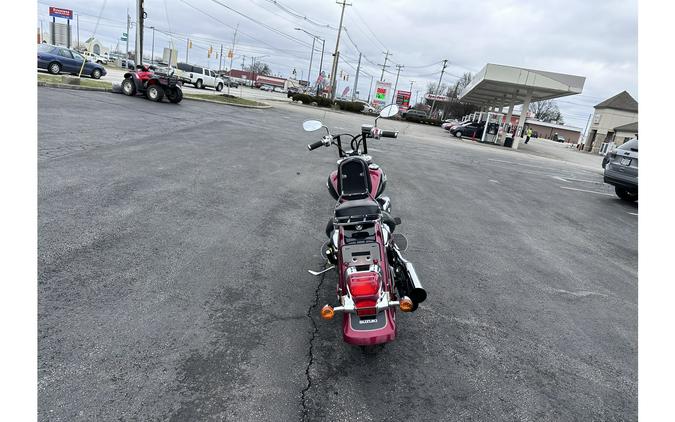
(232, 27)
(264, 25)
(300, 16)
(368, 28)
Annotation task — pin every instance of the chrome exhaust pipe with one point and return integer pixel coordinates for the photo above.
(407, 282)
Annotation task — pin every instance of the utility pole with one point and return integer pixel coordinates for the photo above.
(398, 72)
(585, 138)
(243, 62)
(220, 62)
(231, 54)
(126, 57)
(152, 52)
(356, 80)
(410, 99)
(336, 55)
(323, 44)
(78, 30)
(140, 16)
(384, 65)
(370, 89)
(438, 88)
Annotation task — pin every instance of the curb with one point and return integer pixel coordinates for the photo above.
(185, 97)
(75, 87)
(89, 88)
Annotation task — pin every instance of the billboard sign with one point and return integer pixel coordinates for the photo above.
(382, 93)
(403, 99)
(60, 13)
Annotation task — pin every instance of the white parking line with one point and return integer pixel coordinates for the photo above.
(494, 181)
(518, 164)
(560, 178)
(585, 181)
(632, 213)
(584, 190)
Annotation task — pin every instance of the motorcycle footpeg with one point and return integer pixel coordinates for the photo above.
(322, 271)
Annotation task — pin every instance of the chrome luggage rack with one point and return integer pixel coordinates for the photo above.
(356, 219)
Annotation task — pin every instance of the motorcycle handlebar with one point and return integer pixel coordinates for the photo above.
(314, 146)
(389, 134)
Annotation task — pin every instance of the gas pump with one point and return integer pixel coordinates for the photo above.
(494, 126)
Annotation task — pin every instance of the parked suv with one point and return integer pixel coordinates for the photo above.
(102, 60)
(415, 115)
(621, 170)
(200, 77)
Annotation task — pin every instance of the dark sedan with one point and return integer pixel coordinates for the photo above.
(57, 59)
(472, 130)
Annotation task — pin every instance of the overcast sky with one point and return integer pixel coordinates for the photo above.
(595, 39)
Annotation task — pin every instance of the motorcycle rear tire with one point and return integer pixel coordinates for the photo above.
(372, 349)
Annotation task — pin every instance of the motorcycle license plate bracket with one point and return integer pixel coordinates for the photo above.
(362, 254)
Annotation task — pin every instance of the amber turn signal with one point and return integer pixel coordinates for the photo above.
(327, 312)
(405, 304)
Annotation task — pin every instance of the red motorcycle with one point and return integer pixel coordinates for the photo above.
(373, 278)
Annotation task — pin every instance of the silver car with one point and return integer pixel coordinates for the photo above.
(622, 170)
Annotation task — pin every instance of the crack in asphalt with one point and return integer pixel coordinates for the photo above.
(303, 399)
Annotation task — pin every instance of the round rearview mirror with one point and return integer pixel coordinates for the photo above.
(400, 241)
(312, 125)
(388, 111)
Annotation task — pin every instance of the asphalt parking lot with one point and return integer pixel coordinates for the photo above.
(173, 249)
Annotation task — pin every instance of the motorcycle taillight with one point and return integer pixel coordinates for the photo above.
(364, 288)
(364, 284)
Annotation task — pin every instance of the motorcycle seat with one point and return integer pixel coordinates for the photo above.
(357, 208)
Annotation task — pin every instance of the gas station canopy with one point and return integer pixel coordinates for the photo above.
(499, 85)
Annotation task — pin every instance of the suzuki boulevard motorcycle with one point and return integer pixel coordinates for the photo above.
(373, 277)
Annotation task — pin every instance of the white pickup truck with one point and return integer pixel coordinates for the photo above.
(199, 76)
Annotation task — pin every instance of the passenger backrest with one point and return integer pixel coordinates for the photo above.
(353, 178)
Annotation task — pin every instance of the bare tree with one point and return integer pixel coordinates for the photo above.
(432, 88)
(260, 68)
(547, 111)
(460, 84)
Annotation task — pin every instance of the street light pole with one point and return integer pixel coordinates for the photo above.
(336, 54)
(311, 56)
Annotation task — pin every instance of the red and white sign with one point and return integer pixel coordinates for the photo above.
(432, 97)
(60, 13)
